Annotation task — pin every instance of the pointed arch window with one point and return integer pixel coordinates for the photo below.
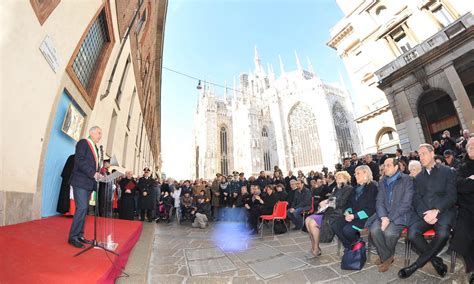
(264, 132)
(344, 137)
(223, 151)
(304, 137)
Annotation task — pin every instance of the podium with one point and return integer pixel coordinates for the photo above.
(104, 233)
(105, 224)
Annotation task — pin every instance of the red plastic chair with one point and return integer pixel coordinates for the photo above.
(279, 213)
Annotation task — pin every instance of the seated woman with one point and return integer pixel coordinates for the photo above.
(260, 205)
(314, 223)
(359, 208)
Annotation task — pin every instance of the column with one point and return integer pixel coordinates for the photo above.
(407, 129)
(467, 114)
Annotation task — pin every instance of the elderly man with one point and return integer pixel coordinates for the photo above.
(393, 208)
(369, 161)
(414, 167)
(433, 201)
(83, 182)
(301, 201)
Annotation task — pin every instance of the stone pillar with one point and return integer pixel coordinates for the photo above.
(466, 114)
(407, 127)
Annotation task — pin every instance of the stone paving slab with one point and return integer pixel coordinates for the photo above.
(182, 254)
(275, 266)
(258, 254)
(211, 266)
(205, 253)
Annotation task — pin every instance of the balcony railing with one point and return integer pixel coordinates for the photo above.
(437, 39)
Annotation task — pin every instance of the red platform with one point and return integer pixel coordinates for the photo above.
(38, 252)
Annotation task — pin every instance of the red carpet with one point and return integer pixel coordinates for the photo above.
(38, 252)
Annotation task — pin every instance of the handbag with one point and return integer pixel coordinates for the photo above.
(355, 257)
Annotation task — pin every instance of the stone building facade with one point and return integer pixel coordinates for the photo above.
(379, 41)
(295, 121)
(66, 66)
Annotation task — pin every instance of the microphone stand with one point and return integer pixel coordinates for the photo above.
(94, 242)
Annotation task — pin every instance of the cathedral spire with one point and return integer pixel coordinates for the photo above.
(298, 63)
(310, 66)
(258, 64)
(282, 69)
(225, 91)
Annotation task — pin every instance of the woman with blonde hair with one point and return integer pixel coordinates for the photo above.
(359, 208)
(318, 225)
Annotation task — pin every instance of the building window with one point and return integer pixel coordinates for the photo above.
(442, 15)
(130, 110)
(343, 130)
(223, 146)
(122, 80)
(266, 161)
(43, 8)
(401, 40)
(264, 132)
(304, 137)
(125, 149)
(87, 64)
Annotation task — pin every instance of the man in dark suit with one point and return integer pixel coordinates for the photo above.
(394, 209)
(434, 200)
(301, 201)
(83, 182)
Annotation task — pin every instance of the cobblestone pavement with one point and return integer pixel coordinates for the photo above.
(182, 254)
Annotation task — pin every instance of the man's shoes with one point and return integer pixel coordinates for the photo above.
(378, 261)
(386, 264)
(407, 271)
(439, 266)
(76, 243)
(84, 240)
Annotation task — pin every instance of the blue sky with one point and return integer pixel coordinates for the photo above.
(214, 40)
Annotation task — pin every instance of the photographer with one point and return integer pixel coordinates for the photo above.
(448, 142)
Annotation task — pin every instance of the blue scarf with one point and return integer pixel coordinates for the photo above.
(359, 191)
(389, 182)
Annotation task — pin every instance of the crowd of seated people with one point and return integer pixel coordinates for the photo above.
(431, 188)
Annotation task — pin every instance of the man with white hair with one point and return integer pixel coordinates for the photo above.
(414, 167)
(83, 182)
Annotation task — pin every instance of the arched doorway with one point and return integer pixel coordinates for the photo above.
(437, 113)
(304, 137)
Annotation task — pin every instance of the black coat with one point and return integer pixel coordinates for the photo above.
(365, 203)
(281, 195)
(436, 190)
(269, 202)
(85, 167)
(146, 185)
(126, 204)
(374, 168)
(463, 239)
(64, 192)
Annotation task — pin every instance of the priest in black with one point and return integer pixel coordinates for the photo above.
(126, 204)
(65, 190)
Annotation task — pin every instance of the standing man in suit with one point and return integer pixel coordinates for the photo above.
(83, 182)
(434, 200)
